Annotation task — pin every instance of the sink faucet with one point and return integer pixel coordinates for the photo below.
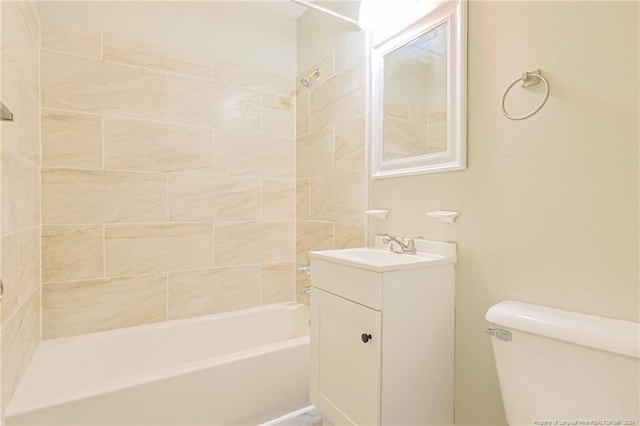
(406, 248)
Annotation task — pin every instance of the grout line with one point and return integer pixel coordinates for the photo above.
(104, 251)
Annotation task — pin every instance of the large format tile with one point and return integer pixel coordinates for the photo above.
(350, 143)
(250, 154)
(76, 83)
(351, 52)
(69, 38)
(348, 235)
(246, 243)
(278, 115)
(251, 78)
(278, 283)
(28, 261)
(71, 139)
(278, 199)
(21, 42)
(206, 103)
(9, 97)
(302, 114)
(339, 98)
(129, 51)
(10, 278)
(213, 290)
(302, 199)
(213, 198)
(89, 306)
(20, 338)
(28, 118)
(20, 192)
(72, 253)
(315, 153)
(312, 236)
(141, 249)
(94, 196)
(338, 198)
(152, 146)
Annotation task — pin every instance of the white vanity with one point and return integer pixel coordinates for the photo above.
(382, 330)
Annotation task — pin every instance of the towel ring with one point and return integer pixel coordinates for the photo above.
(528, 79)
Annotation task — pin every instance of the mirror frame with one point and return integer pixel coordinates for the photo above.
(455, 157)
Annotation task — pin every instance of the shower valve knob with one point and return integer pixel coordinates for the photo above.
(365, 337)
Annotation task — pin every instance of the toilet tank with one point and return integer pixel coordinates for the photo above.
(565, 368)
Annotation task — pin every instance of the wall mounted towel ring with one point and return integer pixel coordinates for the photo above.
(528, 79)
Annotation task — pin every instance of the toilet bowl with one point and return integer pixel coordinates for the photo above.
(558, 367)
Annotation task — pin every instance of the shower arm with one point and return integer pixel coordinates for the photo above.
(328, 12)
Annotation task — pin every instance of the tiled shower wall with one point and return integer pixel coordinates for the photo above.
(330, 158)
(20, 192)
(168, 183)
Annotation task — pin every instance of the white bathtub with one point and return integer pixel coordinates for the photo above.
(241, 368)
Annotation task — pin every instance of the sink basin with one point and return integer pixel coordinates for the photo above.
(380, 259)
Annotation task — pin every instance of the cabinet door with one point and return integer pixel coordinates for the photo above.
(345, 370)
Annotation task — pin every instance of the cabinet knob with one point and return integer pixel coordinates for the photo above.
(365, 337)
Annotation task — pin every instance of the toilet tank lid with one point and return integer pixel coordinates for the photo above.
(617, 336)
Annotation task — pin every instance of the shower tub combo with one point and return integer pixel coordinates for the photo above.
(244, 367)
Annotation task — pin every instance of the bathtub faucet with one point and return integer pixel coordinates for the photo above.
(406, 248)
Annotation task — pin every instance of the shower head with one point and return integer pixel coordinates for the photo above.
(306, 81)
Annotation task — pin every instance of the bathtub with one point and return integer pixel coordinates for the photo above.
(242, 368)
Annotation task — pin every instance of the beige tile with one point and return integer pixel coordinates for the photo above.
(28, 118)
(303, 281)
(71, 253)
(249, 243)
(20, 43)
(352, 52)
(302, 114)
(213, 198)
(213, 290)
(315, 153)
(312, 236)
(205, 103)
(338, 198)
(71, 39)
(141, 249)
(20, 338)
(278, 283)
(302, 199)
(326, 67)
(74, 308)
(28, 262)
(10, 275)
(278, 199)
(20, 268)
(251, 78)
(153, 146)
(278, 115)
(20, 192)
(404, 139)
(348, 235)
(350, 143)
(249, 154)
(9, 96)
(94, 196)
(71, 139)
(135, 52)
(339, 98)
(88, 85)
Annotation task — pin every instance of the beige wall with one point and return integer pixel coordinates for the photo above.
(230, 30)
(20, 193)
(330, 132)
(549, 204)
(168, 183)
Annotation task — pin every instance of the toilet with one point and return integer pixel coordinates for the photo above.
(557, 367)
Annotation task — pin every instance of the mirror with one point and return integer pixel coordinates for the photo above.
(418, 96)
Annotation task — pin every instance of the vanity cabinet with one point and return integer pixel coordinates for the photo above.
(382, 342)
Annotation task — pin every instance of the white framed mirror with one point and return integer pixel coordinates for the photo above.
(418, 96)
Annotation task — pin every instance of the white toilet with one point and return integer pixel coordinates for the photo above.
(563, 368)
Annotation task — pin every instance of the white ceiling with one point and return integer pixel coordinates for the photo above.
(282, 7)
